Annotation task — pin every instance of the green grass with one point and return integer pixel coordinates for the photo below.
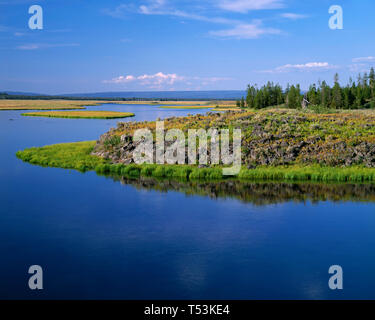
(67, 155)
(315, 173)
(78, 156)
(81, 114)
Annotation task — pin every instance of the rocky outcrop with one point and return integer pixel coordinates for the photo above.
(272, 137)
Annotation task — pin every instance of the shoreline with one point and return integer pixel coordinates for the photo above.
(77, 156)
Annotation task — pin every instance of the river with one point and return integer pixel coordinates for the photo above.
(100, 238)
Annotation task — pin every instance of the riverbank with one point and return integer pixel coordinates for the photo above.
(78, 156)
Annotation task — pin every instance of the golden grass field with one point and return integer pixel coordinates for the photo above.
(45, 104)
(81, 114)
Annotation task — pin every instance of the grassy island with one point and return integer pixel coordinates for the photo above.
(78, 156)
(81, 114)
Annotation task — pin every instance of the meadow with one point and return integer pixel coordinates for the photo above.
(45, 104)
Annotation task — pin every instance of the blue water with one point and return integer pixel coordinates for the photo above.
(99, 239)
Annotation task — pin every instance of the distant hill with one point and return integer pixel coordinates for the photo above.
(178, 95)
(18, 93)
(185, 95)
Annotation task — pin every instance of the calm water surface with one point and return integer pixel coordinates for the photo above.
(97, 238)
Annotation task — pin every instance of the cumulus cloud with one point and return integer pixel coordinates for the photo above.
(151, 80)
(310, 66)
(162, 80)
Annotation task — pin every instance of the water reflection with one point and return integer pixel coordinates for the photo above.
(258, 193)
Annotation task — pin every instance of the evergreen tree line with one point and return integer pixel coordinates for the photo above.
(355, 95)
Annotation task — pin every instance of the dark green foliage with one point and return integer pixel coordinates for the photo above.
(353, 96)
(294, 98)
(268, 95)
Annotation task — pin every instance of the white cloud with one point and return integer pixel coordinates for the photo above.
(151, 80)
(310, 66)
(364, 59)
(245, 31)
(293, 16)
(121, 79)
(161, 80)
(244, 6)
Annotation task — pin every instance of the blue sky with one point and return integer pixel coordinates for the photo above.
(147, 45)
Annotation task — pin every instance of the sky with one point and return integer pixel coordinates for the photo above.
(163, 45)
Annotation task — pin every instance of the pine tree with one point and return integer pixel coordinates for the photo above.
(325, 94)
(336, 102)
(250, 98)
(294, 98)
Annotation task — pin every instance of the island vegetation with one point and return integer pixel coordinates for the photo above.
(78, 156)
(81, 114)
